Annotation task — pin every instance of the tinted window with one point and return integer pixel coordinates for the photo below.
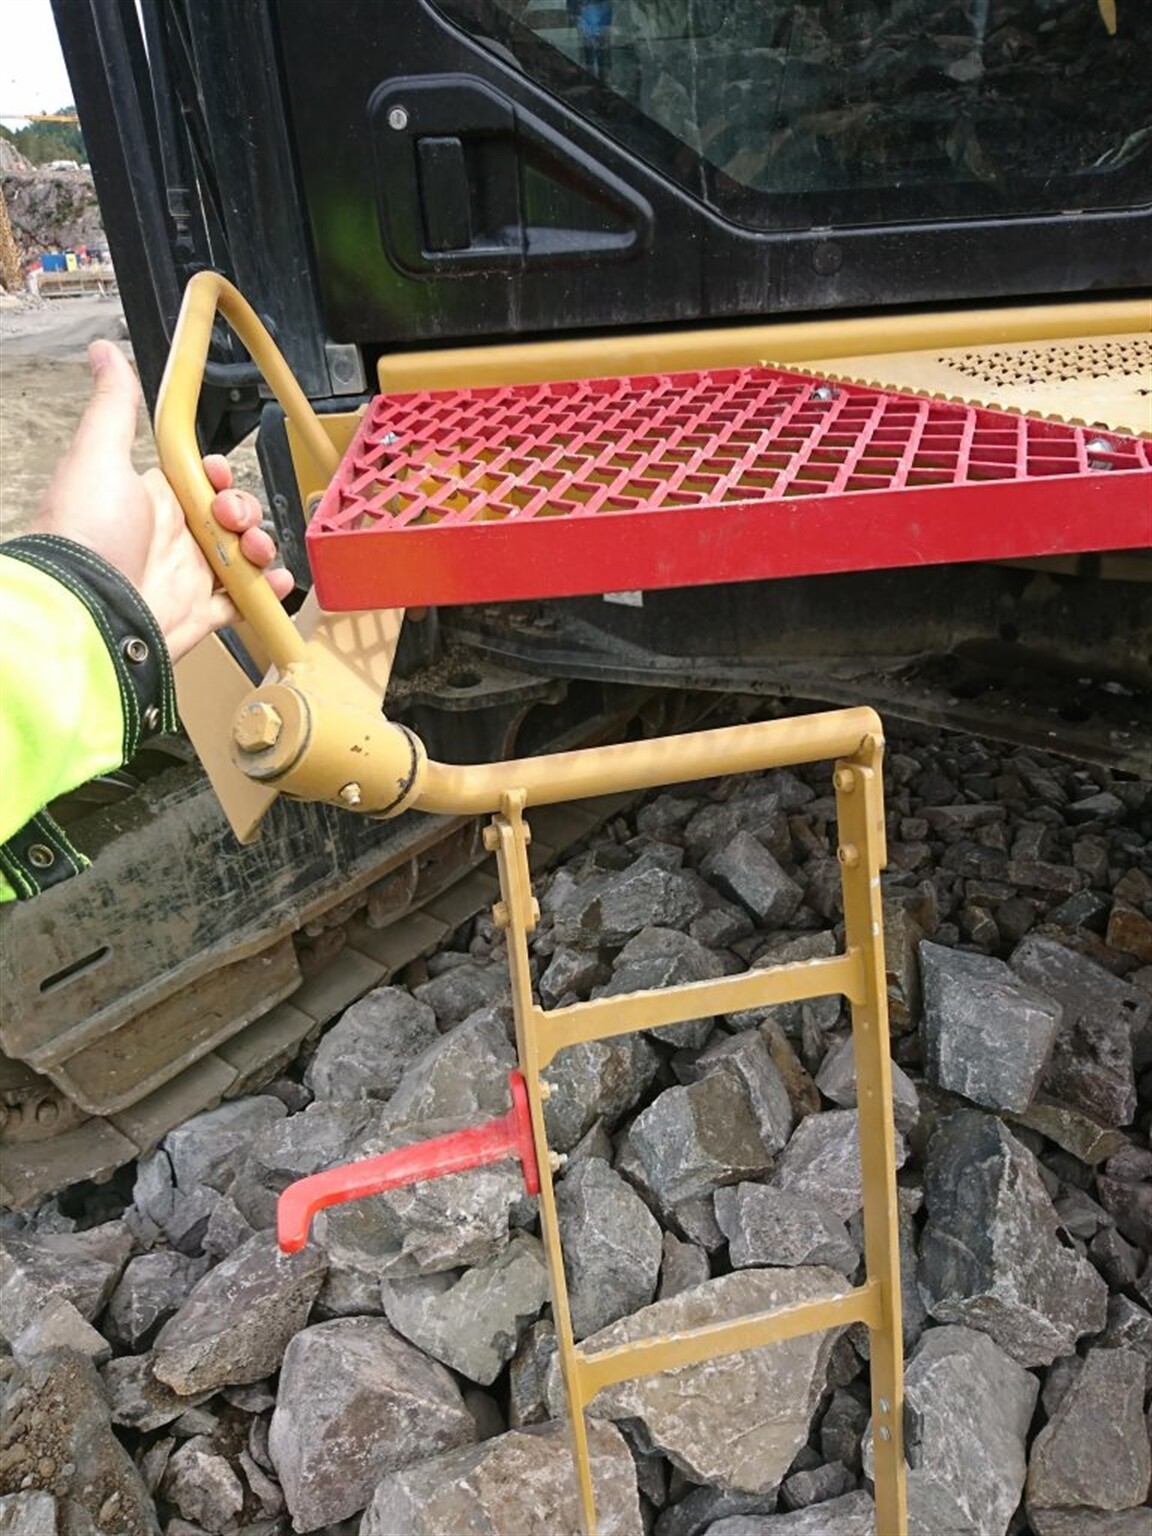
(835, 112)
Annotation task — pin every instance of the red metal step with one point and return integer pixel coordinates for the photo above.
(551, 490)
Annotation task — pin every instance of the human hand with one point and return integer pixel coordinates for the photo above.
(134, 521)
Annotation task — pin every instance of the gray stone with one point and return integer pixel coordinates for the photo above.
(691, 1140)
(747, 1059)
(816, 1485)
(59, 1326)
(608, 909)
(1088, 1522)
(985, 1033)
(202, 1149)
(457, 994)
(27, 1514)
(836, 1080)
(150, 1290)
(658, 958)
(596, 1080)
(570, 971)
(268, 1492)
(1129, 1326)
(714, 826)
(472, 1322)
(682, 1266)
(283, 1151)
(81, 1268)
(517, 1484)
(348, 1293)
(462, 1075)
(1079, 1215)
(736, 1422)
(1069, 1128)
(612, 1246)
(528, 1375)
(991, 1256)
(199, 1482)
(851, 1515)
(902, 939)
(355, 1403)
(1129, 1203)
(842, 1430)
(453, 1222)
(746, 872)
(767, 1226)
(1094, 1449)
(235, 1325)
(972, 1406)
(58, 1439)
(1091, 1067)
(822, 1162)
(697, 1513)
(364, 1054)
(137, 1399)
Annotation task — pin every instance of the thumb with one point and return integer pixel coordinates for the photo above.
(109, 421)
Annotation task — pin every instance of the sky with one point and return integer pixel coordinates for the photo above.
(32, 73)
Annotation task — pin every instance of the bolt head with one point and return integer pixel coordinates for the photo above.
(350, 794)
(257, 726)
(398, 118)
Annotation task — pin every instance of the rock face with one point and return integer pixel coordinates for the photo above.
(739, 1421)
(598, 1080)
(357, 1402)
(58, 1439)
(662, 957)
(609, 909)
(971, 1407)
(990, 1256)
(1093, 1452)
(745, 871)
(513, 1485)
(472, 1323)
(76, 1267)
(612, 1246)
(986, 1034)
(691, 1140)
(852, 1515)
(767, 1226)
(822, 1162)
(364, 1055)
(1091, 1068)
(237, 1322)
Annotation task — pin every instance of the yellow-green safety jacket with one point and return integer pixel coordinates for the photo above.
(84, 677)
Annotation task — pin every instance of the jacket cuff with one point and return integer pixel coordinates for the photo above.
(133, 639)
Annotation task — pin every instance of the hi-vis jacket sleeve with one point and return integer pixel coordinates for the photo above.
(84, 675)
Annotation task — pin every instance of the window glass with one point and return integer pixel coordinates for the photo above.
(838, 112)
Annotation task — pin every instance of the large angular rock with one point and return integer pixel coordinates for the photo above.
(767, 1226)
(596, 1080)
(59, 1326)
(58, 1439)
(747, 1059)
(699, 1511)
(236, 1323)
(691, 1140)
(760, 813)
(735, 1422)
(472, 1322)
(364, 1054)
(150, 1290)
(1093, 1452)
(80, 1267)
(836, 1080)
(661, 957)
(1129, 1327)
(356, 1402)
(28, 1514)
(1088, 1522)
(971, 1406)
(458, 993)
(612, 1246)
(570, 972)
(517, 1484)
(990, 1255)
(608, 909)
(985, 1033)
(852, 1515)
(462, 1075)
(317, 1137)
(448, 1223)
(745, 871)
(201, 1151)
(1091, 1066)
(138, 1400)
(822, 1162)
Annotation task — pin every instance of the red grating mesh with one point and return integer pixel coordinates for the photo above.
(551, 489)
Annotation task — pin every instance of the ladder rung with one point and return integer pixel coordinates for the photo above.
(665, 1352)
(607, 1016)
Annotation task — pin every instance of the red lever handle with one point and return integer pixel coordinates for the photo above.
(475, 1147)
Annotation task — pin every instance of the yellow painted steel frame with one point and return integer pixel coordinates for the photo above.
(317, 731)
(858, 975)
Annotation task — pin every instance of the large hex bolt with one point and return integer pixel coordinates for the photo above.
(257, 726)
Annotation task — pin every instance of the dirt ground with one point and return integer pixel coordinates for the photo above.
(43, 389)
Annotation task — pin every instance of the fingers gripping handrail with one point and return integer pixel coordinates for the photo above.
(180, 458)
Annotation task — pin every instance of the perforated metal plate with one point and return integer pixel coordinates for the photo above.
(683, 479)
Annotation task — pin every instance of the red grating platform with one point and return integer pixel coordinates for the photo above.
(552, 490)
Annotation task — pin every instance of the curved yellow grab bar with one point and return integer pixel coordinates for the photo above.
(180, 457)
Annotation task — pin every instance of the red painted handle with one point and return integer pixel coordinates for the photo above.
(475, 1147)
